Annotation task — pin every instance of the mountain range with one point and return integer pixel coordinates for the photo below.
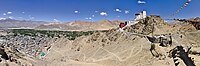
(71, 26)
(12, 23)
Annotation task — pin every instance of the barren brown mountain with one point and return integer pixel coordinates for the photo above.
(82, 25)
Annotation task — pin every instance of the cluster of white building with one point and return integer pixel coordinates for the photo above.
(140, 15)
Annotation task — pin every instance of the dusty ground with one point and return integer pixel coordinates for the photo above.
(123, 51)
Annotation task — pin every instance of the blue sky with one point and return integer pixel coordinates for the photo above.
(93, 10)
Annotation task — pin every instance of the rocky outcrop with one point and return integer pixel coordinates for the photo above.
(147, 25)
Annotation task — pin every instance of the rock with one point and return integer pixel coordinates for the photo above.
(3, 54)
(147, 25)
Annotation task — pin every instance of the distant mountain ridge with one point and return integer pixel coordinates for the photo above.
(82, 25)
(71, 26)
(12, 23)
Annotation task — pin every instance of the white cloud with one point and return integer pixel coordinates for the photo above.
(89, 18)
(32, 18)
(10, 17)
(55, 20)
(76, 12)
(96, 11)
(103, 14)
(118, 10)
(4, 14)
(23, 12)
(127, 11)
(9, 12)
(93, 16)
(118, 16)
(2, 18)
(141, 2)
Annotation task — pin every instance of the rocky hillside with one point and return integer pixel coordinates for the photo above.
(151, 24)
(195, 19)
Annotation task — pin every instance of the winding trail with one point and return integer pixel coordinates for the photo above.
(120, 59)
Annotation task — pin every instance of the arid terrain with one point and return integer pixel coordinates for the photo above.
(81, 25)
(61, 26)
(149, 42)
